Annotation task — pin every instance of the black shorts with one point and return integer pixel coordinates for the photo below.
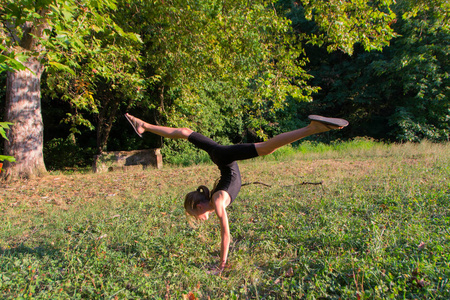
(225, 158)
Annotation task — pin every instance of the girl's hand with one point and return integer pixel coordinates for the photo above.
(216, 271)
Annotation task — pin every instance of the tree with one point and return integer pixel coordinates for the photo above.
(7, 63)
(195, 51)
(107, 76)
(400, 93)
(417, 65)
(25, 137)
(38, 32)
(222, 61)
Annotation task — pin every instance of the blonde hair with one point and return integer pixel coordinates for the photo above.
(192, 199)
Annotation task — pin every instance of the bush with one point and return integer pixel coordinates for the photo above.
(65, 154)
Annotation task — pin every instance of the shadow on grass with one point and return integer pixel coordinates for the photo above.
(38, 251)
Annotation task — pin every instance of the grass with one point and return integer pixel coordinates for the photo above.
(377, 227)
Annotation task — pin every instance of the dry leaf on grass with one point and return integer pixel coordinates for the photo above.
(421, 245)
(290, 272)
(190, 296)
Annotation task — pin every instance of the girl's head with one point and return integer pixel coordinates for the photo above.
(193, 200)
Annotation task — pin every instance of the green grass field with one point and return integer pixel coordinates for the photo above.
(355, 220)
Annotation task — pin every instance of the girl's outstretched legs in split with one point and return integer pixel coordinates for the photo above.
(318, 124)
(282, 139)
(141, 126)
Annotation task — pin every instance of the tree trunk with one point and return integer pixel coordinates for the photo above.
(107, 115)
(106, 119)
(23, 108)
(161, 110)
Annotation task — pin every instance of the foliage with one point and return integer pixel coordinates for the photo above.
(208, 63)
(8, 63)
(78, 158)
(420, 67)
(4, 126)
(399, 94)
(209, 58)
(342, 24)
(376, 228)
(239, 71)
(103, 71)
(80, 40)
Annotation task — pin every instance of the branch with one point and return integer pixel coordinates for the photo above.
(255, 182)
(303, 183)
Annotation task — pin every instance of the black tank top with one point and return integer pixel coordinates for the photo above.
(225, 158)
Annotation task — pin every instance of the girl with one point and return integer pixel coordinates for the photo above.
(202, 202)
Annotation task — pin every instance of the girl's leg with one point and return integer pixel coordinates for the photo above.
(141, 126)
(282, 139)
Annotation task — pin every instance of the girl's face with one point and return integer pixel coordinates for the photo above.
(202, 211)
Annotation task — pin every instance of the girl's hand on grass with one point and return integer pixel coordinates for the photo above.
(215, 271)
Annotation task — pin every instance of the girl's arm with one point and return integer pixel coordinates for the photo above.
(219, 200)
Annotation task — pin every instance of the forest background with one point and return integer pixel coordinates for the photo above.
(237, 71)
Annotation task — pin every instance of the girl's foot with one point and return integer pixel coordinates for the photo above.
(322, 124)
(138, 125)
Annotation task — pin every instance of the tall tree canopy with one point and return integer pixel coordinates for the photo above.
(38, 33)
(225, 67)
(401, 93)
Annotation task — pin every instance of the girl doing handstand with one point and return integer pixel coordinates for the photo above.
(202, 202)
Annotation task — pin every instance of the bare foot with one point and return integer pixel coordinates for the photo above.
(319, 127)
(137, 124)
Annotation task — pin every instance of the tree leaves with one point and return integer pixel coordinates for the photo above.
(8, 63)
(400, 93)
(344, 23)
(60, 67)
(4, 126)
